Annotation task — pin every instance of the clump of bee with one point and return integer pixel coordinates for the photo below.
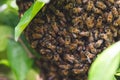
(70, 33)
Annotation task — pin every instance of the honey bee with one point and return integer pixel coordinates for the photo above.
(56, 57)
(74, 30)
(39, 30)
(79, 48)
(69, 6)
(96, 34)
(65, 72)
(86, 67)
(97, 11)
(52, 33)
(60, 14)
(49, 37)
(84, 33)
(107, 43)
(90, 5)
(91, 39)
(74, 35)
(84, 16)
(77, 10)
(63, 19)
(78, 42)
(78, 1)
(61, 40)
(98, 43)
(104, 36)
(78, 71)
(65, 66)
(91, 45)
(77, 65)
(89, 56)
(90, 22)
(114, 30)
(53, 19)
(67, 40)
(100, 5)
(36, 36)
(115, 12)
(73, 46)
(77, 20)
(63, 32)
(85, 1)
(55, 27)
(34, 44)
(59, 49)
(111, 1)
(45, 28)
(109, 17)
(118, 2)
(48, 18)
(88, 59)
(60, 2)
(92, 48)
(63, 23)
(69, 58)
(99, 22)
(83, 57)
(108, 32)
(49, 56)
(42, 43)
(44, 51)
(117, 22)
(39, 21)
(50, 46)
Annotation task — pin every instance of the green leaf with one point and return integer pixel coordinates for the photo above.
(32, 75)
(118, 69)
(8, 13)
(5, 32)
(4, 62)
(117, 74)
(2, 2)
(3, 43)
(18, 59)
(106, 64)
(27, 17)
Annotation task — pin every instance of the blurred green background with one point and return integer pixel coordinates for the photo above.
(15, 64)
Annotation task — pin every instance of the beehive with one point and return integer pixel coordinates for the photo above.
(70, 33)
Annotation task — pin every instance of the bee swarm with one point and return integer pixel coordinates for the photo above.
(70, 33)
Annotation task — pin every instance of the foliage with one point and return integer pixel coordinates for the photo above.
(13, 56)
(8, 13)
(18, 59)
(5, 32)
(27, 17)
(106, 64)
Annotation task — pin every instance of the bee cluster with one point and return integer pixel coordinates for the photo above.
(70, 33)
